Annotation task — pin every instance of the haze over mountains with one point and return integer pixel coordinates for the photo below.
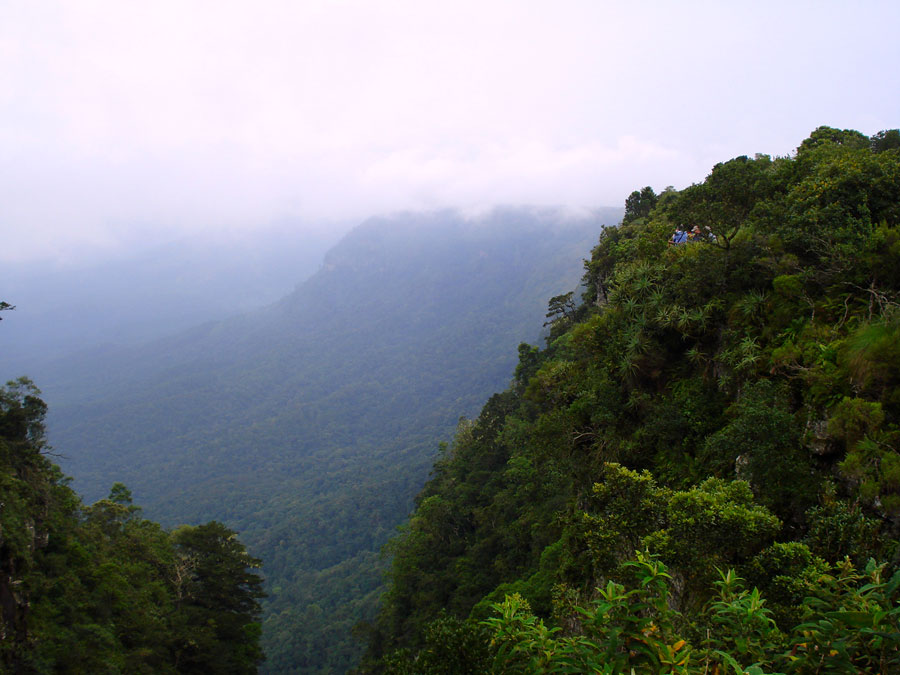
(131, 296)
(310, 424)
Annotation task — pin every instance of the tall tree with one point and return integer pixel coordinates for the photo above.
(639, 204)
(218, 596)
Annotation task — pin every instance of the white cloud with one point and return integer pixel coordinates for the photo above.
(122, 120)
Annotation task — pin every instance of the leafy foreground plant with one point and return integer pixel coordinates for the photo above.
(851, 626)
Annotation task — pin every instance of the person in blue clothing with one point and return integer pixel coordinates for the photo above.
(678, 237)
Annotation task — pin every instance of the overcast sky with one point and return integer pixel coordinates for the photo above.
(123, 122)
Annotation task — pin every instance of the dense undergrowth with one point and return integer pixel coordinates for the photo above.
(699, 472)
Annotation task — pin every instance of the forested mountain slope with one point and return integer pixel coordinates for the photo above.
(718, 416)
(310, 425)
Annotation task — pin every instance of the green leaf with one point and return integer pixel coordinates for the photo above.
(857, 619)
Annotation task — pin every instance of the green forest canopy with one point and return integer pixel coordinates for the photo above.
(699, 472)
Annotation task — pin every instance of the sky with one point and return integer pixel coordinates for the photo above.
(126, 123)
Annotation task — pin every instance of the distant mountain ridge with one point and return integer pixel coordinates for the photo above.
(138, 296)
(309, 425)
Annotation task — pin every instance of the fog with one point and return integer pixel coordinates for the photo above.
(126, 124)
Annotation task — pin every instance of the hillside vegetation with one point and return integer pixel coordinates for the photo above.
(99, 589)
(699, 471)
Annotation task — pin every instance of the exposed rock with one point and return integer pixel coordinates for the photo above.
(817, 440)
(742, 467)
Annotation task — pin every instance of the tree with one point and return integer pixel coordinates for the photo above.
(560, 312)
(27, 493)
(639, 204)
(218, 597)
(845, 137)
(889, 139)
